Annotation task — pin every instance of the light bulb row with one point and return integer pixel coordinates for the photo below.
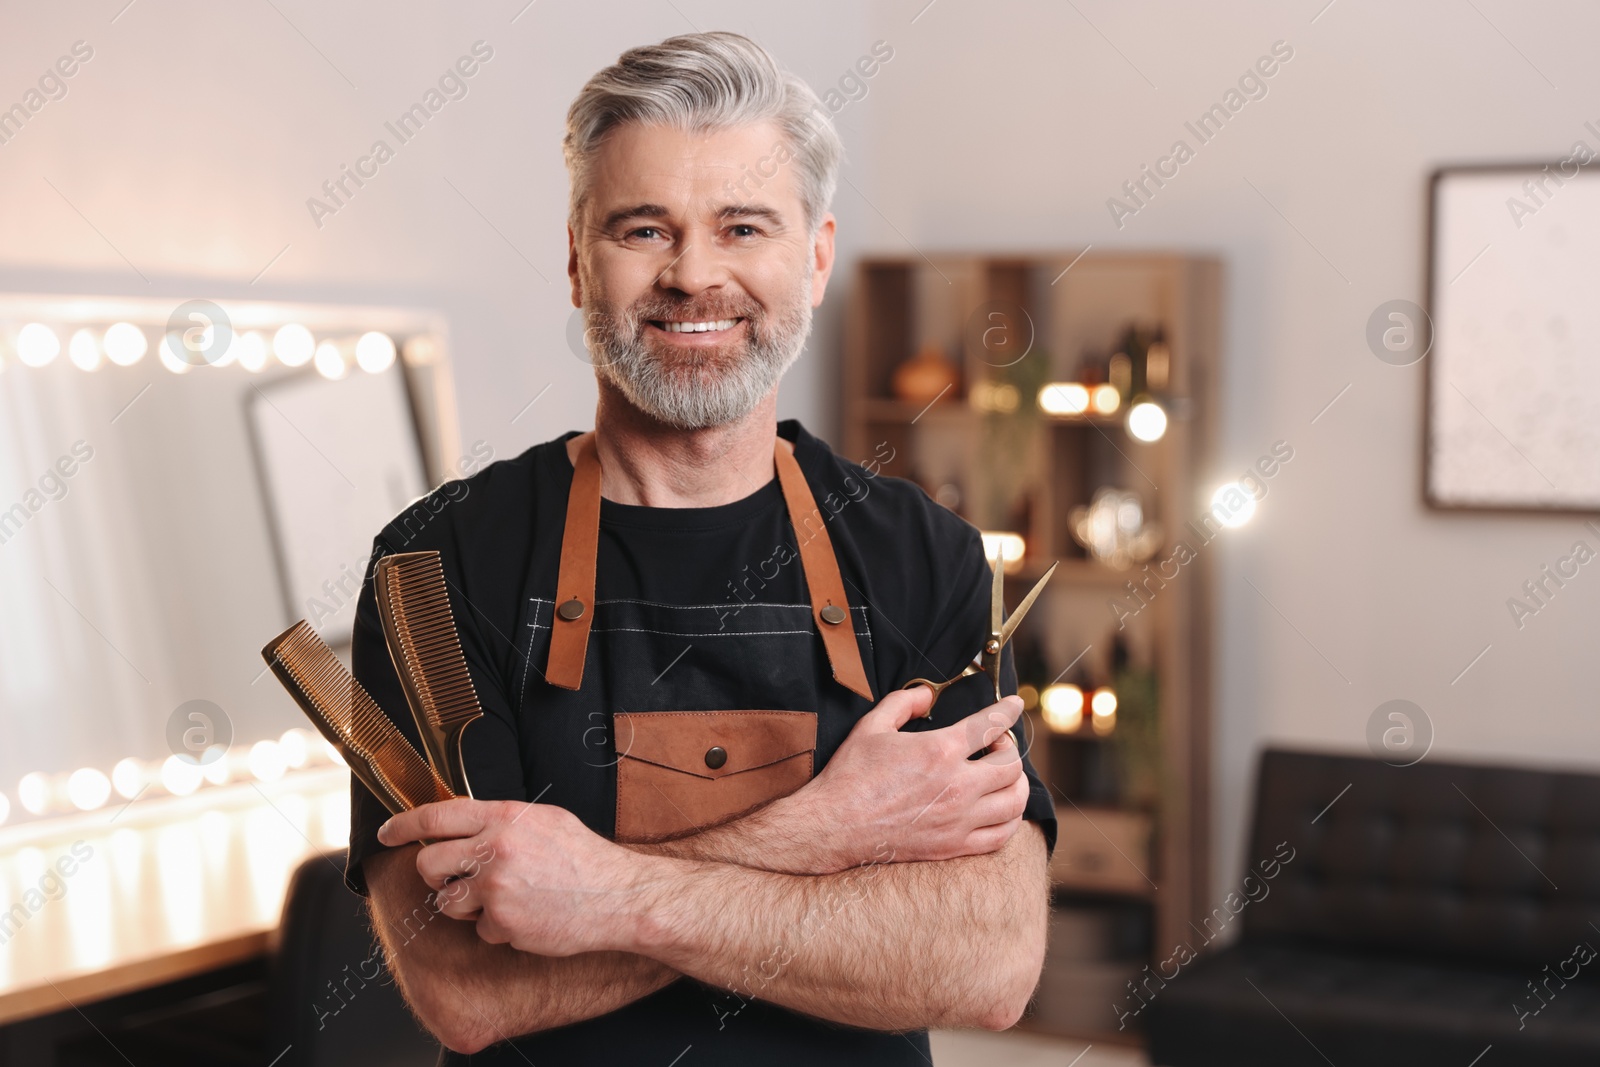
(124, 344)
(88, 788)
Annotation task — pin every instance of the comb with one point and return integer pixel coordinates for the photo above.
(344, 713)
(414, 606)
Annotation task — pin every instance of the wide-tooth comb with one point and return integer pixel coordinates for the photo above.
(344, 713)
(420, 630)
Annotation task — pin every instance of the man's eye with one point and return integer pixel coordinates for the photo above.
(646, 232)
(743, 230)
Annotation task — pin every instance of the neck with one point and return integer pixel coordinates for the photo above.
(645, 462)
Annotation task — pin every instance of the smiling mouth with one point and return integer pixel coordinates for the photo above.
(704, 326)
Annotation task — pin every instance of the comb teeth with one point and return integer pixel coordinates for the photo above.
(425, 627)
(346, 714)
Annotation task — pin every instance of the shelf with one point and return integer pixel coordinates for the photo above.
(1030, 471)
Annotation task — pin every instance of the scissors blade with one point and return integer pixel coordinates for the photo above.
(997, 593)
(1027, 602)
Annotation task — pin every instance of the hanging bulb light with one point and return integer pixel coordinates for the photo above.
(37, 344)
(375, 352)
(125, 344)
(84, 350)
(293, 345)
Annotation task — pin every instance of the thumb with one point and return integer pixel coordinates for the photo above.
(897, 709)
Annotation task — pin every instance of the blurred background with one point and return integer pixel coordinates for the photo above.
(1306, 407)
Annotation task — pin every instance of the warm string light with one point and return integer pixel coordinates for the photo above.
(88, 788)
(123, 344)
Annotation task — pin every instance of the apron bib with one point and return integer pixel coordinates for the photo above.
(663, 754)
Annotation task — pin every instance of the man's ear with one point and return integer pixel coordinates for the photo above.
(822, 253)
(572, 268)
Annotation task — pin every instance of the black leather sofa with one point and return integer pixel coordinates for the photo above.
(1433, 914)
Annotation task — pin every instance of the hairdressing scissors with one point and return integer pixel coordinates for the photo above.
(1000, 631)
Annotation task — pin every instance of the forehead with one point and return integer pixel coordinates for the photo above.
(693, 171)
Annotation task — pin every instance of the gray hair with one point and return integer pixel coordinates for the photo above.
(706, 81)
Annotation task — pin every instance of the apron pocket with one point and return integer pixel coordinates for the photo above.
(681, 771)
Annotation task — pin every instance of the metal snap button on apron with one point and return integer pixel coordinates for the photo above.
(570, 610)
(833, 615)
(716, 756)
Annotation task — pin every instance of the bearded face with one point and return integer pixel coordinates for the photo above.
(696, 292)
(697, 362)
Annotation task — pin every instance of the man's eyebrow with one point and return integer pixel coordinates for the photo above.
(637, 211)
(748, 211)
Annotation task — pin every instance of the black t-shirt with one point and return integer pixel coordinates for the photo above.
(669, 581)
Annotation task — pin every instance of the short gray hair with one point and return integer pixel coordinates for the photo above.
(705, 81)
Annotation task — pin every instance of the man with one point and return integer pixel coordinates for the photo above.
(700, 830)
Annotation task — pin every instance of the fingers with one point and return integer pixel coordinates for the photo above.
(979, 730)
(992, 838)
(446, 819)
(457, 858)
(998, 805)
(897, 709)
(1003, 751)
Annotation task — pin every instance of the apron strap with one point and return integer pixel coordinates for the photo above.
(574, 609)
(580, 542)
(829, 605)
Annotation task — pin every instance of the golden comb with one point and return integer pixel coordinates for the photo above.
(414, 605)
(344, 713)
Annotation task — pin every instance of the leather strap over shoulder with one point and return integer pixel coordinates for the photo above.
(829, 605)
(580, 543)
(574, 609)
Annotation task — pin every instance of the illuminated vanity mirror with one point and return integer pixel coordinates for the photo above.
(180, 481)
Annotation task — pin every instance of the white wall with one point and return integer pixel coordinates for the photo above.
(193, 138)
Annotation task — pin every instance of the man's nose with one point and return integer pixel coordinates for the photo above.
(696, 267)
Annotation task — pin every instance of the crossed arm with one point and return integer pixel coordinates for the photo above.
(876, 899)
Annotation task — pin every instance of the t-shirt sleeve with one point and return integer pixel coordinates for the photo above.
(958, 631)
(489, 746)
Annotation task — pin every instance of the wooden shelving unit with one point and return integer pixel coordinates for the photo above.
(1024, 471)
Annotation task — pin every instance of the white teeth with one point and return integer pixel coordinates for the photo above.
(699, 327)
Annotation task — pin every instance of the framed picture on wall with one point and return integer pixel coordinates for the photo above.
(1513, 381)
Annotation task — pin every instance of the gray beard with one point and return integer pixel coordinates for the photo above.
(695, 390)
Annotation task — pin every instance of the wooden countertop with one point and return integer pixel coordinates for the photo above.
(125, 898)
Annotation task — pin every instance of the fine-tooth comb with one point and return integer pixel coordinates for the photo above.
(420, 630)
(344, 713)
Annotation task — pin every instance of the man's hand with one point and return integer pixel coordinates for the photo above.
(530, 875)
(888, 795)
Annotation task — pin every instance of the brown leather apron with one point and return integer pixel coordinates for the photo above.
(678, 771)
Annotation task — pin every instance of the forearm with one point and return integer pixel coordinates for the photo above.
(768, 839)
(470, 994)
(889, 946)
